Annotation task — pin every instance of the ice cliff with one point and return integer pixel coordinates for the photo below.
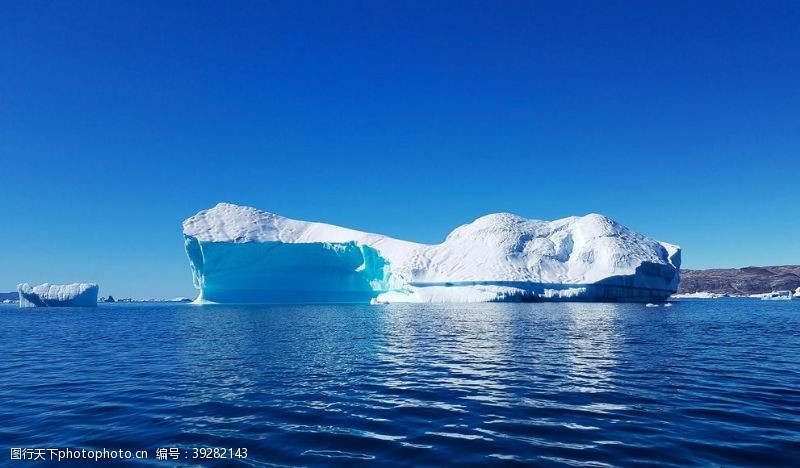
(58, 295)
(240, 254)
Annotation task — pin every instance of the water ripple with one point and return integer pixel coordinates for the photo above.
(703, 382)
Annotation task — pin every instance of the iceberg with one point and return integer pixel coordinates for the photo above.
(698, 295)
(240, 254)
(777, 296)
(58, 295)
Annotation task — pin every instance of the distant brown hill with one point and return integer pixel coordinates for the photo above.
(748, 280)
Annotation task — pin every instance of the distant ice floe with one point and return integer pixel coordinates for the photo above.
(698, 295)
(58, 295)
(242, 254)
(111, 299)
(775, 296)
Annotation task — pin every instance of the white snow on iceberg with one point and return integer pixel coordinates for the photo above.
(58, 295)
(240, 254)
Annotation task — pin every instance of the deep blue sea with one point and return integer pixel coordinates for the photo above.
(703, 382)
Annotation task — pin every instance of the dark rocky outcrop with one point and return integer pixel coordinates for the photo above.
(741, 281)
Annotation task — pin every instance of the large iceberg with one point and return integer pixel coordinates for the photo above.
(58, 295)
(240, 254)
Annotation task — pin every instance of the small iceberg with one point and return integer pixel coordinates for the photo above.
(179, 299)
(698, 295)
(58, 295)
(650, 304)
(777, 296)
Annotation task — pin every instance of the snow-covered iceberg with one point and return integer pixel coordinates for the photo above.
(240, 254)
(58, 295)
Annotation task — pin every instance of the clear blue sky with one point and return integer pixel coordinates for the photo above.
(119, 119)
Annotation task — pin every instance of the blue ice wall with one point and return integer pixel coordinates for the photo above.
(276, 272)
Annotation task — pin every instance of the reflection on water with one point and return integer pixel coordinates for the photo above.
(592, 346)
(709, 382)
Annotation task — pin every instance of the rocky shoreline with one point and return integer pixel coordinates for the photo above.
(741, 281)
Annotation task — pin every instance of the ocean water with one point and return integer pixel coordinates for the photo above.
(702, 382)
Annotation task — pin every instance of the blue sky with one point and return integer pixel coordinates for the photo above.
(119, 119)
